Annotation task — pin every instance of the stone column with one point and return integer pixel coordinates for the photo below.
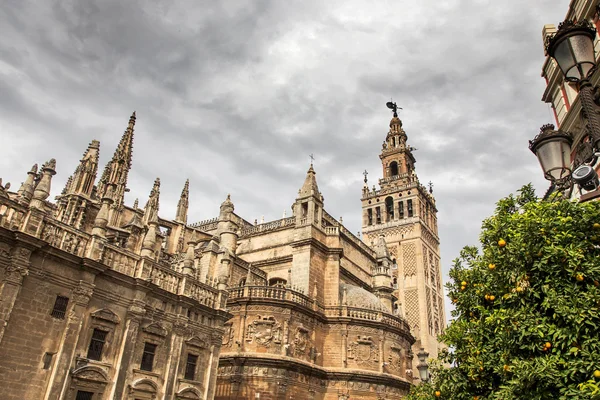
(126, 352)
(180, 329)
(381, 355)
(210, 377)
(11, 284)
(80, 298)
(344, 346)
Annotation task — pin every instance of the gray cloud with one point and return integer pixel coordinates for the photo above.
(235, 95)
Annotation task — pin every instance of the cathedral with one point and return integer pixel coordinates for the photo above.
(104, 300)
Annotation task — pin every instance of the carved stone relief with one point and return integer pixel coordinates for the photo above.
(302, 342)
(264, 331)
(363, 351)
(228, 335)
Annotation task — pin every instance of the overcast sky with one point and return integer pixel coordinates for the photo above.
(235, 95)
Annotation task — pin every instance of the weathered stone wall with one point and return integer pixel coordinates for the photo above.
(44, 356)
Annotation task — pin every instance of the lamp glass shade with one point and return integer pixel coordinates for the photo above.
(574, 55)
(423, 372)
(554, 155)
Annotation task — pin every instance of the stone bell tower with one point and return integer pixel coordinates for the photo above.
(403, 211)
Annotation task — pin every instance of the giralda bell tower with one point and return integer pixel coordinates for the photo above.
(404, 212)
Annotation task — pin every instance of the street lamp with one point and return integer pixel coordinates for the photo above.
(572, 46)
(423, 367)
(553, 150)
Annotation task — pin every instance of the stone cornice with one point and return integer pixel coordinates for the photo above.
(291, 364)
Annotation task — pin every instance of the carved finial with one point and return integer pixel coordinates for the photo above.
(430, 184)
(365, 173)
(136, 204)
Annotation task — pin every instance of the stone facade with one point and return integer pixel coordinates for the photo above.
(403, 211)
(101, 300)
(563, 96)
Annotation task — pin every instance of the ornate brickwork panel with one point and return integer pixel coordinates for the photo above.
(409, 259)
(430, 308)
(412, 307)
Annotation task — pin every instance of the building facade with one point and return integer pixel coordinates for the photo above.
(403, 211)
(562, 95)
(102, 300)
(99, 300)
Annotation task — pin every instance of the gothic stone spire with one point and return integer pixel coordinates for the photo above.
(182, 205)
(117, 169)
(310, 187)
(151, 207)
(84, 177)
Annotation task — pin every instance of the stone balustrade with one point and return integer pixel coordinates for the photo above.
(11, 214)
(64, 237)
(268, 226)
(271, 292)
(281, 293)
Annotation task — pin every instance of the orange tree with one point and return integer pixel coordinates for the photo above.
(526, 323)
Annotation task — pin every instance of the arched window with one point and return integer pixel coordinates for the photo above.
(278, 282)
(242, 282)
(394, 168)
(389, 207)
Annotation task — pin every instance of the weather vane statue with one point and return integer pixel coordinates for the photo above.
(392, 106)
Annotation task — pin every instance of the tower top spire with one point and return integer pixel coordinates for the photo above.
(310, 187)
(118, 167)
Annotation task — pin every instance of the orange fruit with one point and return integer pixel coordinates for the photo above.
(438, 393)
(491, 266)
(579, 277)
(463, 283)
(506, 367)
(519, 289)
(548, 345)
(596, 225)
(596, 374)
(487, 296)
(501, 242)
(492, 297)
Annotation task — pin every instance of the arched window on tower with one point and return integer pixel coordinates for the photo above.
(395, 284)
(409, 206)
(394, 168)
(389, 208)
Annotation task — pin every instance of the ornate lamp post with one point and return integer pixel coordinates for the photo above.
(423, 367)
(573, 49)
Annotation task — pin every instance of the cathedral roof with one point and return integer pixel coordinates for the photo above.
(359, 297)
(310, 184)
